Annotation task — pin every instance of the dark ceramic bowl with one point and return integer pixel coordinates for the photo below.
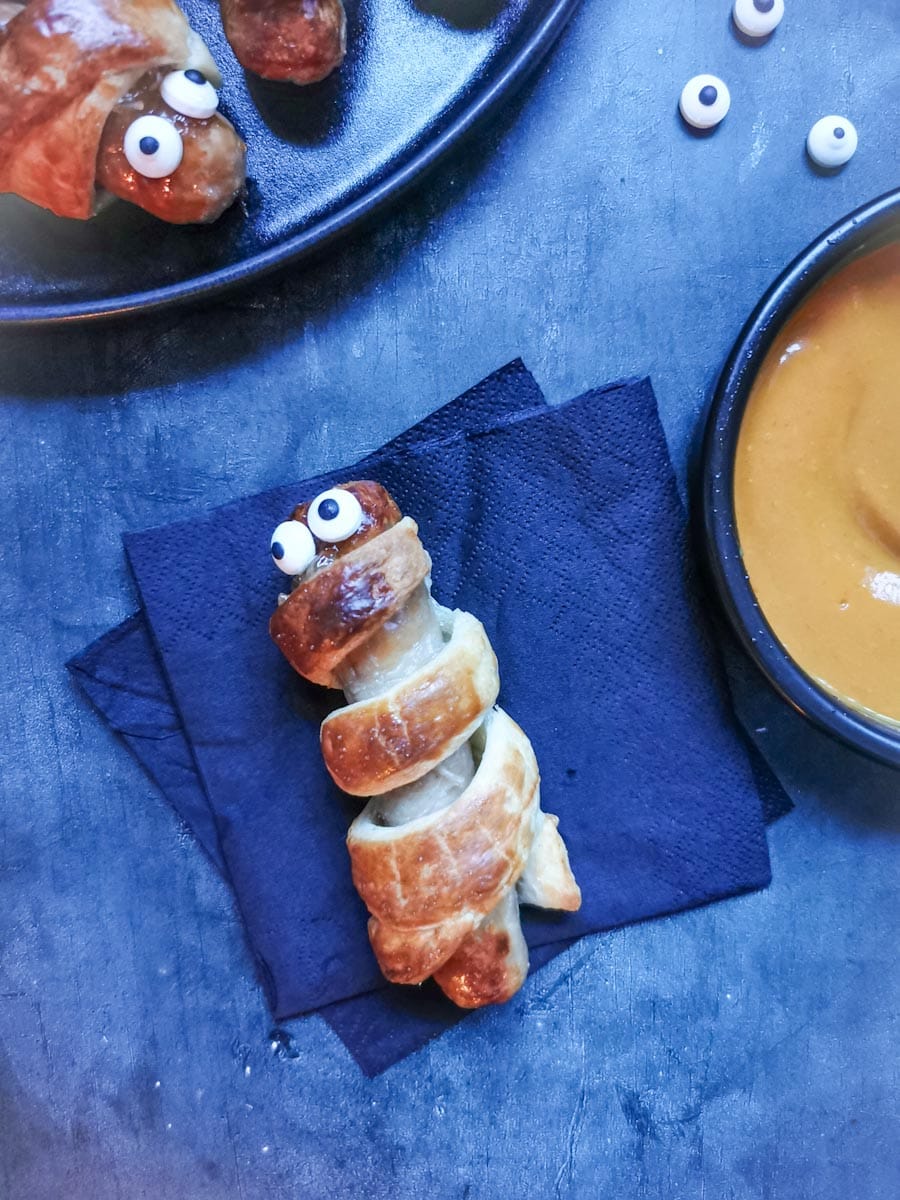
(870, 226)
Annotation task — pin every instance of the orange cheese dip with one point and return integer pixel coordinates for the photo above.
(817, 484)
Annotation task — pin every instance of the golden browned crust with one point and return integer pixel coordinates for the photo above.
(491, 963)
(457, 862)
(334, 612)
(64, 64)
(381, 744)
(477, 973)
(297, 40)
(412, 955)
(442, 887)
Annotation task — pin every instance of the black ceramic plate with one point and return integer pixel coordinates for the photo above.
(418, 75)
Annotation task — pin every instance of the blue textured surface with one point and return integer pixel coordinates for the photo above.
(745, 1050)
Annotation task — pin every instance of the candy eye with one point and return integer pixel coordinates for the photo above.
(704, 102)
(153, 147)
(831, 142)
(190, 93)
(293, 547)
(757, 18)
(335, 515)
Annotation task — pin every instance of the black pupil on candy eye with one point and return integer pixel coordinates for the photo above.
(329, 509)
(195, 76)
(838, 132)
(763, 6)
(708, 95)
(148, 145)
(277, 551)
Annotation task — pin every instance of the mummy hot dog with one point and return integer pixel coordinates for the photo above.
(453, 837)
(300, 41)
(117, 95)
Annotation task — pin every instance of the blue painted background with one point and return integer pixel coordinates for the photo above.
(746, 1050)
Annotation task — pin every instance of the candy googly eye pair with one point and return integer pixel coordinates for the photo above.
(153, 145)
(705, 99)
(333, 516)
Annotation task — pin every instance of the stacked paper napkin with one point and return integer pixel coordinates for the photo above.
(562, 530)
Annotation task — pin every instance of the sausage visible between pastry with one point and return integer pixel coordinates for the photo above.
(210, 172)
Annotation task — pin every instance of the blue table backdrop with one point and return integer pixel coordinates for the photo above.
(745, 1050)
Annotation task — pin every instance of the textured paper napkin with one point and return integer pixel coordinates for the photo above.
(562, 530)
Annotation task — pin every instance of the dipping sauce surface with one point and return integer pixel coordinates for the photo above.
(817, 484)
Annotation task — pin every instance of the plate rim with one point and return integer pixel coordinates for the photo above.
(322, 232)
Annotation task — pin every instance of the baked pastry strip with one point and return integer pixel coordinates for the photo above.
(453, 836)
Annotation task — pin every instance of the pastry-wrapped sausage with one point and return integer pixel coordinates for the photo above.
(300, 41)
(116, 95)
(453, 837)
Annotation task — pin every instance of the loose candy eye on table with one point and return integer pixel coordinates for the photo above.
(705, 101)
(757, 18)
(831, 142)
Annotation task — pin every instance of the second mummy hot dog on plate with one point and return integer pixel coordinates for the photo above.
(296, 41)
(453, 837)
(113, 97)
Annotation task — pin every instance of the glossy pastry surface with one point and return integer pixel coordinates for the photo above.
(65, 67)
(454, 835)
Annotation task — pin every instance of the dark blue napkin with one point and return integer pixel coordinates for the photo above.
(562, 530)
